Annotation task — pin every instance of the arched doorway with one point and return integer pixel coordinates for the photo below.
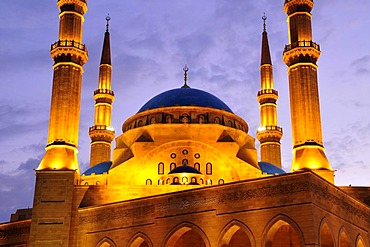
(106, 242)
(344, 239)
(326, 238)
(187, 235)
(140, 240)
(236, 234)
(282, 234)
(360, 242)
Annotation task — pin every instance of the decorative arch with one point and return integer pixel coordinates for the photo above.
(283, 231)
(186, 231)
(344, 240)
(140, 240)
(106, 242)
(235, 232)
(325, 234)
(360, 242)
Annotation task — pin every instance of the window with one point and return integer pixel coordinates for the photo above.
(152, 120)
(184, 118)
(185, 162)
(148, 182)
(161, 168)
(201, 119)
(221, 181)
(168, 119)
(197, 166)
(172, 166)
(185, 180)
(217, 120)
(209, 169)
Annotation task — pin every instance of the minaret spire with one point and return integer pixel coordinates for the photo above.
(301, 55)
(269, 133)
(185, 69)
(102, 134)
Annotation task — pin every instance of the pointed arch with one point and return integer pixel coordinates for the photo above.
(344, 240)
(283, 231)
(360, 242)
(140, 240)
(236, 231)
(186, 231)
(325, 235)
(106, 242)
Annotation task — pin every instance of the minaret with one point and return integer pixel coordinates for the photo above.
(102, 134)
(58, 172)
(269, 133)
(301, 55)
(69, 55)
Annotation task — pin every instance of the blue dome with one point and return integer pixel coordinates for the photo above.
(99, 168)
(270, 168)
(185, 97)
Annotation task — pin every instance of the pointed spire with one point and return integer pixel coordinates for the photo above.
(105, 56)
(186, 69)
(265, 53)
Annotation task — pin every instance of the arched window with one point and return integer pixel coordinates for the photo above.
(161, 168)
(185, 180)
(230, 123)
(152, 120)
(148, 182)
(201, 181)
(167, 181)
(201, 119)
(217, 120)
(221, 181)
(172, 166)
(209, 182)
(193, 180)
(176, 180)
(209, 169)
(184, 118)
(169, 119)
(140, 123)
(97, 183)
(185, 162)
(160, 182)
(197, 166)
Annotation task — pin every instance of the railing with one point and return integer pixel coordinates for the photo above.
(267, 91)
(106, 91)
(267, 128)
(101, 127)
(68, 43)
(302, 44)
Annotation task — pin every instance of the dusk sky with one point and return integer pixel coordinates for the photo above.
(151, 41)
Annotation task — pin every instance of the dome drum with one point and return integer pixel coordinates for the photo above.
(185, 115)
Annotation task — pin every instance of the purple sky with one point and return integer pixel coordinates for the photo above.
(151, 41)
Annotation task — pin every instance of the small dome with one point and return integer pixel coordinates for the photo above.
(185, 97)
(185, 169)
(98, 169)
(270, 168)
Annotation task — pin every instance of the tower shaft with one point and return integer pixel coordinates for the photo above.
(301, 55)
(69, 55)
(102, 134)
(269, 133)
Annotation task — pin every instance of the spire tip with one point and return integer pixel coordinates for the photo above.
(107, 19)
(185, 69)
(264, 18)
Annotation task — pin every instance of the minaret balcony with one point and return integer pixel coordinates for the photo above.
(269, 133)
(267, 96)
(302, 44)
(104, 91)
(69, 47)
(301, 52)
(102, 133)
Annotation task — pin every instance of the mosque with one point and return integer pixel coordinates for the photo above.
(185, 170)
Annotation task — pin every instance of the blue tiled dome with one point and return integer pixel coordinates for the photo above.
(99, 168)
(185, 97)
(270, 168)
